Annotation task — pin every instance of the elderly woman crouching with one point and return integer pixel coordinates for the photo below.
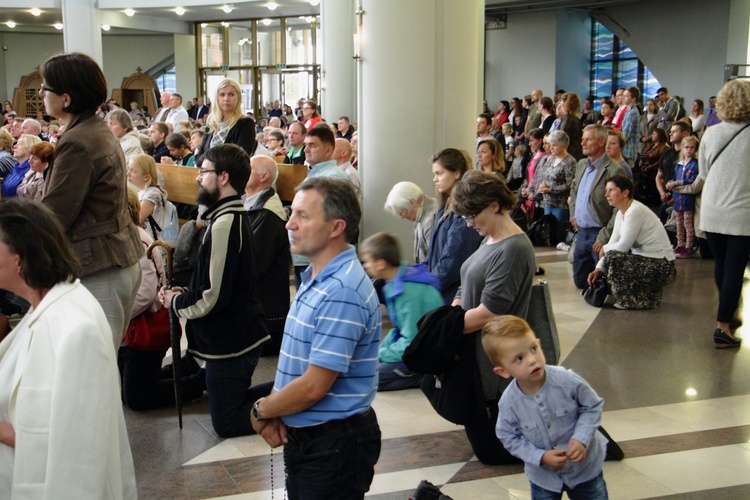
(638, 259)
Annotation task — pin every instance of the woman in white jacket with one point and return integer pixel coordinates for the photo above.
(62, 431)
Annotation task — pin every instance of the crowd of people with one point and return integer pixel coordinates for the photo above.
(91, 194)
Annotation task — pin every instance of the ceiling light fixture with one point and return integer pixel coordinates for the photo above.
(227, 8)
(272, 5)
(203, 25)
(224, 23)
(314, 2)
(266, 22)
(179, 11)
(129, 12)
(58, 26)
(106, 27)
(35, 12)
(10, 24)
(309, 19)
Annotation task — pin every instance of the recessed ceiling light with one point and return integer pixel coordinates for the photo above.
(106, 27)
(179, 11)
(224, 23)
(227, 8)
(35, 12)
(203, 25)
(10, 24)
(129, 12)
(272, 5)
(314, 2)
(58, 26)
(266, 21)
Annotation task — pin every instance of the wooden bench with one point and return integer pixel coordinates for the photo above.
(290, 176)
(180, 182)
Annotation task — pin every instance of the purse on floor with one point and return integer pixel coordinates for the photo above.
(597, 292)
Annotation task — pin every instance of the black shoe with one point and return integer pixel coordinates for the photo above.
(735, 323)
(539, 271)
(722, 340)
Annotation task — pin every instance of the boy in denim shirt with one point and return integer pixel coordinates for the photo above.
(548, 415)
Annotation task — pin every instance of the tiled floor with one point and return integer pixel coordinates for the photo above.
(679, 408)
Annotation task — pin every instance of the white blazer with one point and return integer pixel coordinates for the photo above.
(65, 407)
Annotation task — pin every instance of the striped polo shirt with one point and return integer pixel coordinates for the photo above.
(333, 323)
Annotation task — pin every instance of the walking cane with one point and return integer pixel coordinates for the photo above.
(175, 329)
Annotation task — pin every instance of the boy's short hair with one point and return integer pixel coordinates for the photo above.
(506, 326)
(383, 246)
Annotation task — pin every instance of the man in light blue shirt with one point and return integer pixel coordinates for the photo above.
(327, 372)
(591, 212)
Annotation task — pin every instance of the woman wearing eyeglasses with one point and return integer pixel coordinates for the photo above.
(85, 187)
(310, 116)
(495, 280)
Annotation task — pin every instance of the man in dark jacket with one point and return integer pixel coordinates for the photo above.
(225, 326)
(272, 257)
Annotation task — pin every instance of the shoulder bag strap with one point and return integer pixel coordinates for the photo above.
(727, 144)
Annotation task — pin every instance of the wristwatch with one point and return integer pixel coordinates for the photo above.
(256, 411)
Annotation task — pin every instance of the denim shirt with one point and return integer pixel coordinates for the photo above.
(584, 217)
(565, 408)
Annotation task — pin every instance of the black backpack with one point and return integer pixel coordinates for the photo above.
(544, 232)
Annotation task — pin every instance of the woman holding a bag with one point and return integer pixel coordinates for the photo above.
(141, 354)
(638, 260)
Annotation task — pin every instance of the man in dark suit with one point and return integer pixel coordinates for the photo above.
(588, 203)
(200, 110)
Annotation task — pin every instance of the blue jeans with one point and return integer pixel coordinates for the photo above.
(335, 460)
(396, 376)
(229, 403)
(596, 489)
(584, 257)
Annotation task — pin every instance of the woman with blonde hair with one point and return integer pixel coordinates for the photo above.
(451, 241)
(142, 174)
(725, 207)
(227, 123)
(490, 157)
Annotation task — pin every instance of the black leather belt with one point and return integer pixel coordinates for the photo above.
(304, 434)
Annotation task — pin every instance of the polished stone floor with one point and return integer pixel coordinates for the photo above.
(679, 408)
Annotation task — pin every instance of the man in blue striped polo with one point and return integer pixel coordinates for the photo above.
(326, 377)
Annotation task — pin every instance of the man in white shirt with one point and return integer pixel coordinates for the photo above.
(177, 112)
(161, 113)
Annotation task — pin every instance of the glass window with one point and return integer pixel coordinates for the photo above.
(614, 65)
(269, 42)
(241, 43)
(627, 73)
(212, 45)
(299, 43)
(167, 81)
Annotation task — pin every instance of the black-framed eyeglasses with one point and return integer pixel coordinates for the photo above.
(43, 89)
(202, 171)
(469, 218)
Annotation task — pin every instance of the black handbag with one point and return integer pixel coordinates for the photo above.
(597, 292)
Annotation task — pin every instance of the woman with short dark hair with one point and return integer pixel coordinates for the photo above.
(496, 279)
(62, 431)
(85, 187)
(638, 259)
